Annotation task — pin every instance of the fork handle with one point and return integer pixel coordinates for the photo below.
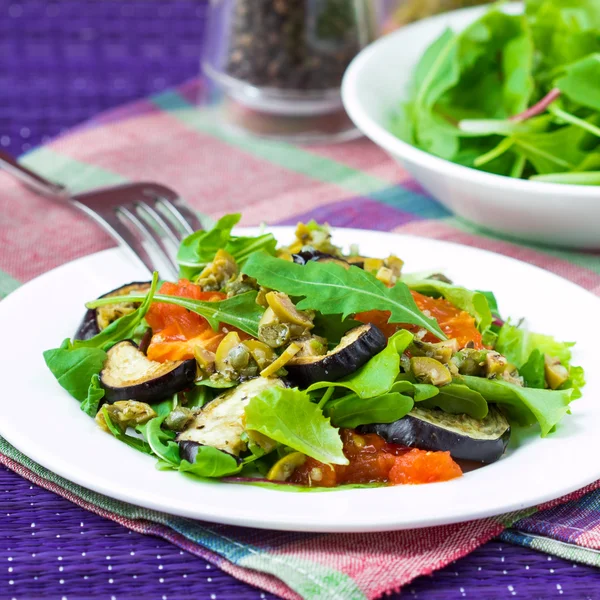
(32, 180)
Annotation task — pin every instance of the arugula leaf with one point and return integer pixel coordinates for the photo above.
(161, 441)
(333, 327)
(241, 311)
(456, 398)
(199, 248)
(352, 411)
(124, 327)
(376, 376)
(74, 368)
(92, 401)
(525, 406)
(533, 370)
(290, 418)
(474, 302)
(212, 463)
(332, 289)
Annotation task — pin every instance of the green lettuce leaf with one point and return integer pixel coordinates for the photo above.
(331, 289)
(533, 371)
(290, 418)
(525, 406)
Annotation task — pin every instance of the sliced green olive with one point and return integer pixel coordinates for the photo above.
(429, 370)
(230, 341)
(442, 351)
(205, 359)
(495, 365)
(216, 274)
(262, 354)
(556, 373)
(178, 418)
(283, 469)
(286, 311)
(125, 413)
(470, 361)
(285, 357)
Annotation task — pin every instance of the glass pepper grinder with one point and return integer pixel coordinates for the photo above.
(280, 63)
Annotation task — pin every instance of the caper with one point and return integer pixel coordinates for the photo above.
(470, 361)
(178, 418)
(276, 335)
(238, 357)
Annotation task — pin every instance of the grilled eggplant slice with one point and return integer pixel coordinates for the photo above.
(356, 347)
(129, 375)
(220, 423)
(97, 319)
(463, 436)
(307, 256)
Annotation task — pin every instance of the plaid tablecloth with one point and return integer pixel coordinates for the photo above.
(167, 139)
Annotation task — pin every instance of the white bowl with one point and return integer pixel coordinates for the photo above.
(373, 87)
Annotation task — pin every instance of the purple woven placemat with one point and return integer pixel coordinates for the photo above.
(56, 549)
(62, 62)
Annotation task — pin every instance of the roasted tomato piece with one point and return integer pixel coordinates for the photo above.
(176, 330)
(455, 323)
(421, 466)
(373, 460)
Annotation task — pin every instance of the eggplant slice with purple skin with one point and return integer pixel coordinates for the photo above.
(466, 438)
(356, 347)
(97, 319)
(220, 423)
(129, 375)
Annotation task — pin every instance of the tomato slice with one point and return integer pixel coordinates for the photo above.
(455, 323)
(373, 460)
(176, 330)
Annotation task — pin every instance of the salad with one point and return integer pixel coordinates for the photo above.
(513, 94)
(304, 366)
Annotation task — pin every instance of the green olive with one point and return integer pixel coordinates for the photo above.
(555, 373)
(125, 413)
(429, 370)
(283, 469)
(442, 351)
(286, 311)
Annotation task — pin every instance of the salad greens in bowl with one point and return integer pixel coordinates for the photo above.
(495, 111)
(308, 367)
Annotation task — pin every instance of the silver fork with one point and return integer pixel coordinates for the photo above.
(149, 219)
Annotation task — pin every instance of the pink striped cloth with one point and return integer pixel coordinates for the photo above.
(168, 139)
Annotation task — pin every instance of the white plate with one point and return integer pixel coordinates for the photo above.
(45, 423)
